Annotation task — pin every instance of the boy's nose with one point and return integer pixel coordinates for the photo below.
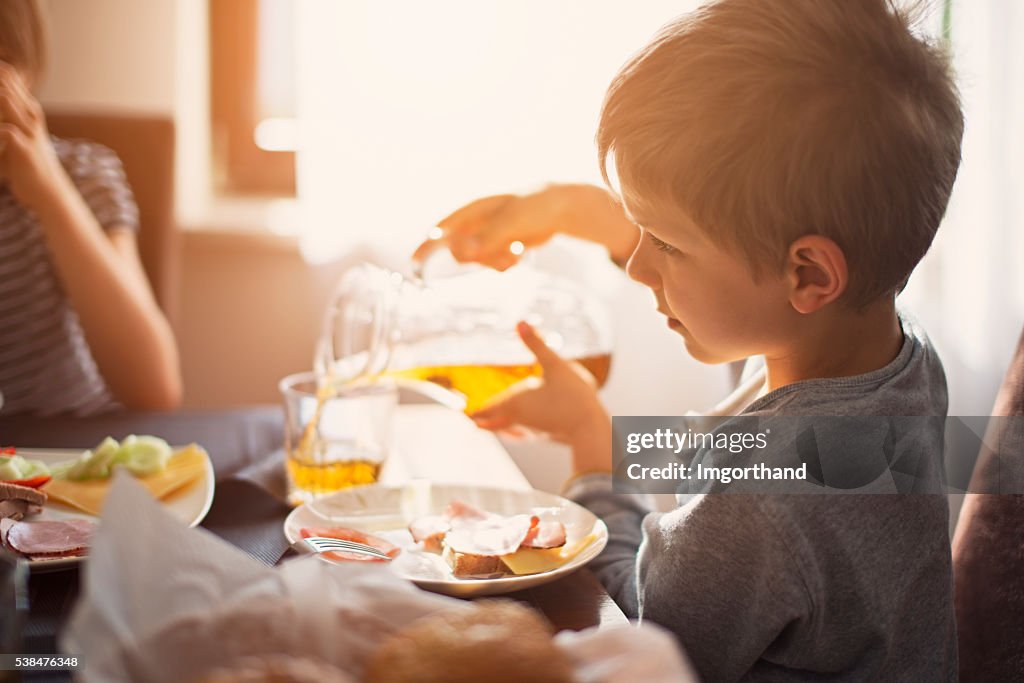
(639, 267)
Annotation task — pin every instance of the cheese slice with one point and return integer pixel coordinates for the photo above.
(538, 561)
(186, 466)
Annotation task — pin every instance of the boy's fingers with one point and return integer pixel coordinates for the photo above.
(508, 407)
(514, 432)
(500, 407)
(492, 425)
(491, 420)
(547, 358)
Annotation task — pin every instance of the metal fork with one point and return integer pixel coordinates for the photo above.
(321, 544)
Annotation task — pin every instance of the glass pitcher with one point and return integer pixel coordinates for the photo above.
(453, 338)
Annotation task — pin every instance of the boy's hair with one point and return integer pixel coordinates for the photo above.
(766, 121)
(23, 36)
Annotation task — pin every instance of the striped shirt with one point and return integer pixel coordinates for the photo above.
(45, 364)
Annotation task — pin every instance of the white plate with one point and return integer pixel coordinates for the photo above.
(386, 511)
(189, 505)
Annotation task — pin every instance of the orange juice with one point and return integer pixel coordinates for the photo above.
(321, 478)
(480, 383)
(336, 436)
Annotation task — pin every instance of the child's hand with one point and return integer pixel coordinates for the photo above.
(28, 162)
(562, 403)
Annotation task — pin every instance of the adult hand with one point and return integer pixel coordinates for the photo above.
(28, 162)
(486, 230)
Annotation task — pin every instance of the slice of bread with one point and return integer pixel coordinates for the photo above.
(467, 566)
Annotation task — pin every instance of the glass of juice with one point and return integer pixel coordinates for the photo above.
(337, 435)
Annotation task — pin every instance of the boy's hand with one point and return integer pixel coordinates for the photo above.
(28, 162)
(562, 403)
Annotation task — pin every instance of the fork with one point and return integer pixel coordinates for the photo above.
(321, 544)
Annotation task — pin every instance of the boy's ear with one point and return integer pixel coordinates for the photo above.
(816, 272)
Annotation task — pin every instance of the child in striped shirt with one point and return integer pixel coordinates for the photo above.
(80, 330)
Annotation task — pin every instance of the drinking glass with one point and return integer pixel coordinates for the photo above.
(336, 435)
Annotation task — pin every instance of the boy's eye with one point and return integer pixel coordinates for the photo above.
(661, 246)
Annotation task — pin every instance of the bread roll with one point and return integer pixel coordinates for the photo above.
(493, 641)
(276, 669)
(203, 642)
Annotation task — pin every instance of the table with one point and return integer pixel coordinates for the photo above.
(245, 444)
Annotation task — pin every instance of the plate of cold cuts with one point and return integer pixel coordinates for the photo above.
(456, 539)
(52, 525)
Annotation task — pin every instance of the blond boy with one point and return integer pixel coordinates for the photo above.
(787, 165)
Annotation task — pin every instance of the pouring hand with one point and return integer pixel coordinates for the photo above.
(486, 230)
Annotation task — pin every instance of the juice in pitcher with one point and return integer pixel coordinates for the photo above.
(458, 333)
(480, 383)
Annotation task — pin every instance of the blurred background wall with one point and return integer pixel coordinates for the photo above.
(248, 307)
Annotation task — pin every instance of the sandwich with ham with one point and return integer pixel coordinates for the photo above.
(480, 544)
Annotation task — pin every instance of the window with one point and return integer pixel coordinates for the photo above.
(252, 98)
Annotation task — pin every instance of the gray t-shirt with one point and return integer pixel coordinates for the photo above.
(799, 587)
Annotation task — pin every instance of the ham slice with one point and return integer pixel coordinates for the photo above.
(545, 535)
(459, 513)
(430, 531)
(66, 538)
(346, 534)
(495, 535)
(465, 529)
